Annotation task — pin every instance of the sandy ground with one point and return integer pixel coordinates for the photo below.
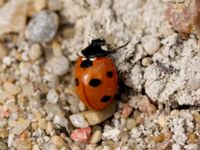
(156, 105)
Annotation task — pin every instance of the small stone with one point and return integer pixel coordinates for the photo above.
(81, 135)
(3, 146)
(159, 138)
(42, 27)
(42, 123)
(175, 113)
(162, 121)
(53, 110)
(96, 136)
(96, 117)
(49, 128)
(147, 61)
(58, 141)
(3, 133)
(60, 120)
(3, 122)
(11, 88)
(146, 106)
(27, 89)
(192, 138)
(197, 117)
(39, 5)
(2, 2)
(130, 123)
(54, 5)
(151, 44)
(52, 96)
(35, 52)
(58, 65)
(3, 50)
(78, 121)
(7, 60)
(34, 125)
(112, 134)
(13, 16)
(184, 17)
(56, 47)
(24, 145)
(126, 111)
(20, 126)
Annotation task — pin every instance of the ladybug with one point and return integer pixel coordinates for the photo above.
(95, 76)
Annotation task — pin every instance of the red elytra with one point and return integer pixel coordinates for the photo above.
(96, 85)
(95, 76)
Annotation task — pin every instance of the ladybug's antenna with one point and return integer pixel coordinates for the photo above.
(120, 47)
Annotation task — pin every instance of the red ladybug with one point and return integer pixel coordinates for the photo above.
(95, 76)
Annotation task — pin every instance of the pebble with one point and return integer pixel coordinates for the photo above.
(150, 43)
(96, 117)
(112, 134)
(58, 141)
(126, 111)
(184, 17)
(3, 146)
(3, 133)
(3, 122)
(162, 121)
(58, 65)
(13, 16)
(42, 123)
(49, 128)
(197, 117)
(52, 109)
(78, 121)
(20, 126)
(147, 61)
(146, 106)
(11, 88)
(28, 89)
(96, 136)
(60, 120)
(7, 60)
(130, 123)
(54, 5)
(52, 96)
(159, 138)
(81, 135)
(42, 27)
(35, 52)
(3, 50)
(24, 145)
(192, 138)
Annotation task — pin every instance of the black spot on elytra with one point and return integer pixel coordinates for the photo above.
(105, 99)
(76, 81)
(94, 82)
(86, 63)
(109, 74)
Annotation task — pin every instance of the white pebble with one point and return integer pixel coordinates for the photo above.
(35, 52)
(60, 120)
(7, 60)
(79, 121)
(58, 65)
(52, 96)
(112, 134)
(151, 44)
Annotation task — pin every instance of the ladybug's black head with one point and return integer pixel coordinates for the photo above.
(95, 49)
